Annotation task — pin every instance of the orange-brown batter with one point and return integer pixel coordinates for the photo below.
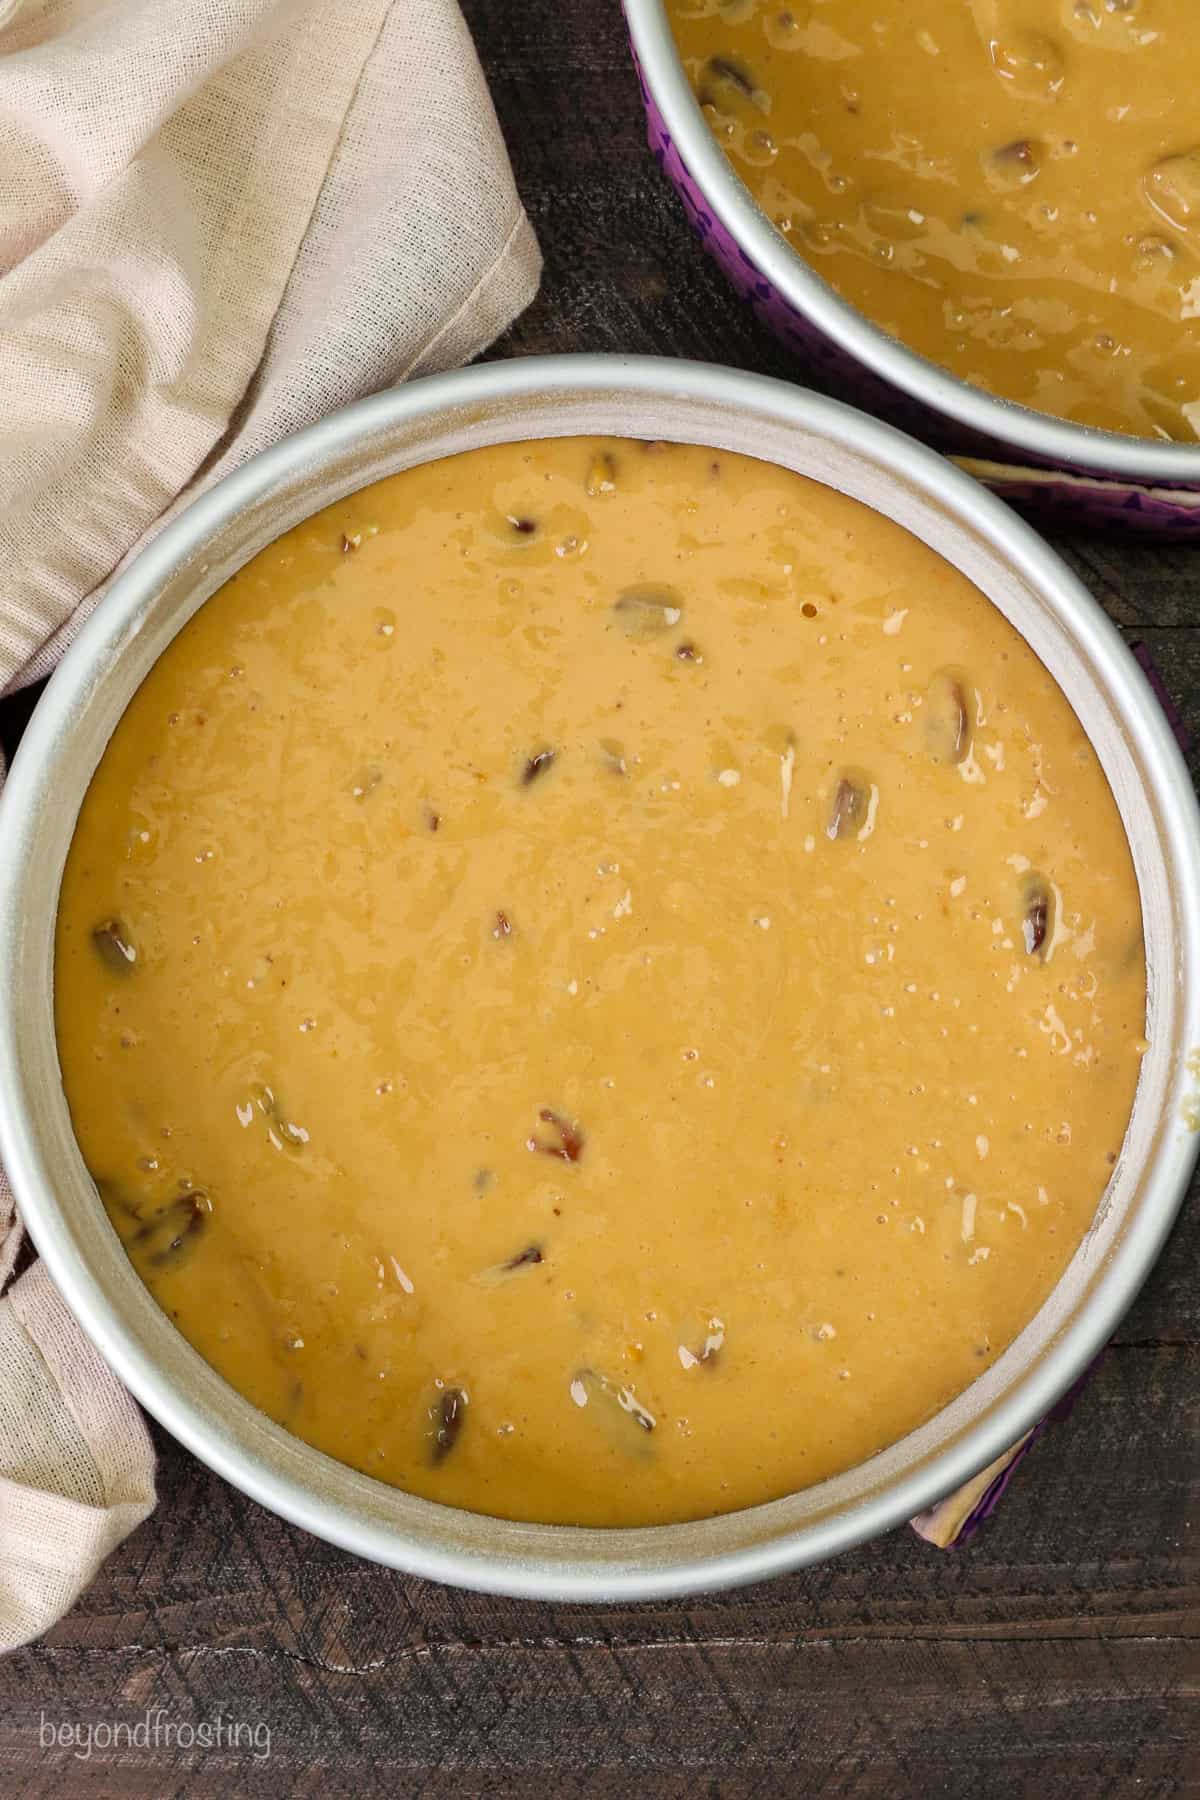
(599, 982)
(1011, 187)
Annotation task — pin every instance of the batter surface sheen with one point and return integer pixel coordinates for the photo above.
(599, 982)
(1010, 187)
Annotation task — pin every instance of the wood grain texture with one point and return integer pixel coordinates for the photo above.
(1058, 1655)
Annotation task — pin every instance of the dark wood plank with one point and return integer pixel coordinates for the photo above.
(1056, 1655)
(14, 716)
(1062, 1644)
(867, 1718)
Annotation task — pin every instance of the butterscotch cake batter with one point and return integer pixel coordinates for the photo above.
(1011, 187)
(599, 982)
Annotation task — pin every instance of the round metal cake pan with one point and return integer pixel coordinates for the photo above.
(644, 398)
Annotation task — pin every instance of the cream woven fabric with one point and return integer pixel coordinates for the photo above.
(219, 219)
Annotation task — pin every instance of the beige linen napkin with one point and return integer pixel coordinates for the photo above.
(219, 219)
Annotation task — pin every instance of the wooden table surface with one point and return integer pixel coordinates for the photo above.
(1057, 1655)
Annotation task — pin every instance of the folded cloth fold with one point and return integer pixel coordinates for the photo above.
(219, 220)
(76, 1468)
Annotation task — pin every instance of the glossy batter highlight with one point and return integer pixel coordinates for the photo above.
(1010, 187)
(600, 982)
